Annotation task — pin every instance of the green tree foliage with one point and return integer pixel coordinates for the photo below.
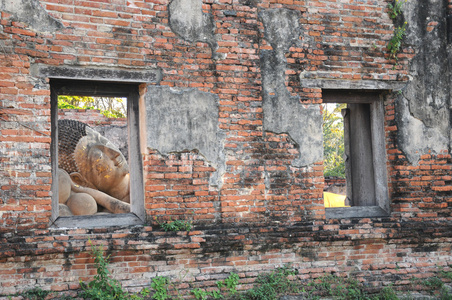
(108, 106)
(333, 140)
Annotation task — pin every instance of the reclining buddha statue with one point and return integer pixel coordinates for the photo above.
(93, 175)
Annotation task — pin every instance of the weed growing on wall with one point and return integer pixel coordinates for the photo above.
(103, 287)
(395, 9)
(387, 293)
(436, 285)
(160, 285)
(395, 43)
(176, 225)
(231, 283)
(445, 274)
(270, 286)
(338, 287)
(228, 286)
(35, 293)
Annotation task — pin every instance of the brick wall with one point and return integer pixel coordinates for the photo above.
(335, 185)
(92, 117)
(266, 212)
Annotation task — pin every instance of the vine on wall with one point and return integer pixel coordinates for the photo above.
(395, 43)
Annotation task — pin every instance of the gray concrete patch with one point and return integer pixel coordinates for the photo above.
(423, 109)
(32, 13)
(281, 27)
(185, 120)
(284, 113)
(187, 20)
(414, 137)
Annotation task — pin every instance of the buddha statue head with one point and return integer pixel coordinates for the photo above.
(95, 162)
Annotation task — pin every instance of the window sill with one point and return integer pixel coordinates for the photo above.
(355, 212)
(97, 221)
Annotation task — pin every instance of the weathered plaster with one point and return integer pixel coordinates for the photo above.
(32, 13)
(423, 109)
(187, 19)
(185, 120)
(284, 113)
(415, 137)
(449, 56)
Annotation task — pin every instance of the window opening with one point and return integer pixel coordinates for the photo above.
(334, 194)
(96, 161)
(89, 159)
(354, 153)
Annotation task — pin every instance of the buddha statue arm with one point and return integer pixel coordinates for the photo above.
(112, 204)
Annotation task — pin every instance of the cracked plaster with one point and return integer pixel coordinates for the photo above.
(32, 13)
(187, 19)
(284, 113)
(423, 113)
(187, 120)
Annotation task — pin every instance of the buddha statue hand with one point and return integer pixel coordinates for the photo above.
(112, 204)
